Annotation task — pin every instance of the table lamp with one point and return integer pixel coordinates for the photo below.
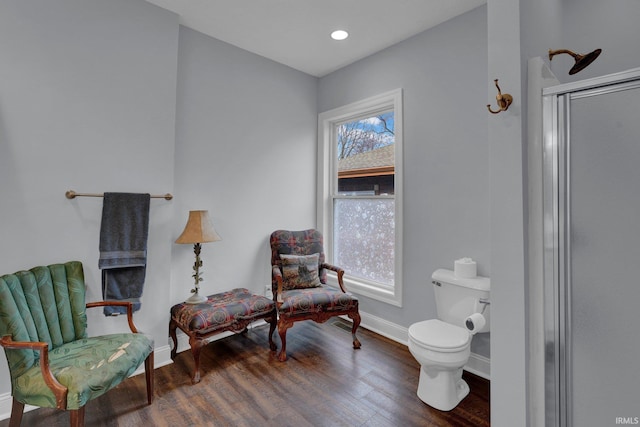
(198, 230)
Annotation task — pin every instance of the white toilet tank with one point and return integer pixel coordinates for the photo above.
(458, 298)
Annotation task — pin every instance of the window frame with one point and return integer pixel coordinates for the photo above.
(328, 183)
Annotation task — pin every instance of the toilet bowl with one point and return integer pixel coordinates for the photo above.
(442, 346)
(442, 350)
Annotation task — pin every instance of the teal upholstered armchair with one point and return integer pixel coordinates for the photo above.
(52, 361)
(298, 282)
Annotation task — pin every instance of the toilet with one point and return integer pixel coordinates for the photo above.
(442, 345)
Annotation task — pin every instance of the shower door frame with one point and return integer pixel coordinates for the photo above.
(556, 104)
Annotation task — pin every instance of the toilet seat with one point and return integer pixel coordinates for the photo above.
(436, 335)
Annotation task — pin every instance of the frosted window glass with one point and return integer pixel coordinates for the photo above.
(364, 238)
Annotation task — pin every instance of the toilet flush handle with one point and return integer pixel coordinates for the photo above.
(485, 302)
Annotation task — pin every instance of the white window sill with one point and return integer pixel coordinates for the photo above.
(386, 294)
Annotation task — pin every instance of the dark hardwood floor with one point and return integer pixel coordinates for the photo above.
(324, 382)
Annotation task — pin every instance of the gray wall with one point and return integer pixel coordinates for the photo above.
(508, 323)
(517, 382)
(87, 102)
(442, 73)
(246, 151)
(116, 96)
(591, 24)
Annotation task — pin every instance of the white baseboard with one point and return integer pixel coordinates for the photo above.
(5, 406)
(161, 358)
(384, 327)
(478, 365)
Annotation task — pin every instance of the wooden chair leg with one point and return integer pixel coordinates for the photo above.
(77, 417)
(356, 322)
(282, 331)
(17, 409)
(148, 371)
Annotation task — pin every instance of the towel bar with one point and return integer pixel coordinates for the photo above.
(72, 195)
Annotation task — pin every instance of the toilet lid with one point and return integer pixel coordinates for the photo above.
(439, 335)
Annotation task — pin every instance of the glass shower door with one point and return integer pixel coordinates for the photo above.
(604, 209)
(596, 269)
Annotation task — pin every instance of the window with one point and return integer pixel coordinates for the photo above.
(360, 193)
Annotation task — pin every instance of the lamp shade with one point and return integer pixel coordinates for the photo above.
(198, 229)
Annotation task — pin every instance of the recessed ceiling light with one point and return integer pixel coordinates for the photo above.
(339, 35)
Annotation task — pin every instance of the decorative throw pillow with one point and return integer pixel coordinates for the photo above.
(300, 271)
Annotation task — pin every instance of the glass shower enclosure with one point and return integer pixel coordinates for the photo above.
(591, 192)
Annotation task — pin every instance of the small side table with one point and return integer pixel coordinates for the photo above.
(227, 311)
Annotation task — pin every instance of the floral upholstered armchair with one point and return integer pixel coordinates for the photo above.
(299, 277)
(52, 361)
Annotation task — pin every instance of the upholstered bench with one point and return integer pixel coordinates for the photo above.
(227, 311)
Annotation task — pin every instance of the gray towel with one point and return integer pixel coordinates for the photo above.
(123, 248)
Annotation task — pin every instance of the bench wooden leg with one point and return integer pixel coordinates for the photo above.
(273, 321)
(196, 346)
(173, 325)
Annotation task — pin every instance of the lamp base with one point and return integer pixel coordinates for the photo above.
(195, 299)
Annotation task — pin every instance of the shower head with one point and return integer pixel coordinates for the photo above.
(582, 61)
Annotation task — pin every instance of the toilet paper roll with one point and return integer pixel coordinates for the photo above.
(475, 322)
(465, 268)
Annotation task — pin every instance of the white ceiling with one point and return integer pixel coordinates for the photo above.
(296, 32)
